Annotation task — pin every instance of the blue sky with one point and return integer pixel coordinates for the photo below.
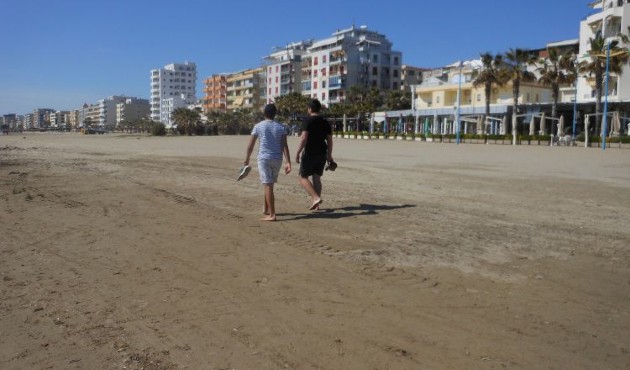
(62, 53)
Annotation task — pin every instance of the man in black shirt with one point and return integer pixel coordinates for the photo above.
(315, 149)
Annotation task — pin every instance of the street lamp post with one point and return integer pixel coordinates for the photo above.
(606, 97)
(459, 98)
(575, 106)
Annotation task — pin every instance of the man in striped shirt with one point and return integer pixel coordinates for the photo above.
(273, 144)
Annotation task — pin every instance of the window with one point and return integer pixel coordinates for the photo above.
(375, 58)
(323, 84)
(314, 73)
(315, 61)
(314, 84)
(276, 90)
(324, 59)
(395, 85)
(374, 71)
(323, 71)
(269, 69)
(395, 61)
(478, 97)
(395, 73)
(323, 96)
(276, 69)
(437, 100)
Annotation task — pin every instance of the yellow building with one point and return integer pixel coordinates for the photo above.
(243, 89)
(435, 100)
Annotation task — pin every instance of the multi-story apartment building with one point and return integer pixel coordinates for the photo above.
(41, 117)
(170, 104)
(28, 121)
(174, 81)
(74, 118)
(107, 111)
(610, 18)
(89, 115)
(58, 118)
(132, 109)
(410, 76)
(283, 70)
(354, 56)
(215, 93)
(9, 120)
(243, 89)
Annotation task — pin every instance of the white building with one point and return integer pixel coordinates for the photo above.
(107, 111)
(327, 68)
(611, 18)
(351, 57)
(172, 103)
(172, 82)
(283, 69)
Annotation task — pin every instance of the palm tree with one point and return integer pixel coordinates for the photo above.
(516, 72)
(185, 119)
(558, 69)
(597, 66)
(397, 100)
(490, 75)
(292, 105)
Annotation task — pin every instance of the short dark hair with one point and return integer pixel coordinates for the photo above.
(315, 105)
(270, 111)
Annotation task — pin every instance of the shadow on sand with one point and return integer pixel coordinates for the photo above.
(336, 213)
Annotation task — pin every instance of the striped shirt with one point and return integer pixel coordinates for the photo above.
(270, 134)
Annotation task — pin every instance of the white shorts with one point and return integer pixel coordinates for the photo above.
(269, 170)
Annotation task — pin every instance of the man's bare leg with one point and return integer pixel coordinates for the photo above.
(270, 203)
(317, 186)
(306, 184)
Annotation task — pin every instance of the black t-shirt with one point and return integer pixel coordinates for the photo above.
(318, 130)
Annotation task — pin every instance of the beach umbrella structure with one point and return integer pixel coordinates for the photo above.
(479, 125)
(345, 128)
(532, 126)
(616, 124)
(543, 129)
(372, 123)
(561, 126)
(504, 125)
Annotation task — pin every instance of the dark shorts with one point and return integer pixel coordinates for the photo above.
(312, 165)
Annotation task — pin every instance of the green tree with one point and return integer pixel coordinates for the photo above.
(515, 69)
(397, 100)
(596, 66)
(291, 106)
(491, 74)
(186, 120)
(558, 69)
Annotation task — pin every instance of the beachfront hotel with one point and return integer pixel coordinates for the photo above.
(609, 18)
(435, 99)
(172, 87)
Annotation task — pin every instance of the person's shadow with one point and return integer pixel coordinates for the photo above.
(343, 212)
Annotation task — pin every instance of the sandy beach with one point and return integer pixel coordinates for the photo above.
(137, 252)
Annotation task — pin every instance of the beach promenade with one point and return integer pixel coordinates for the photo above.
(123, 251)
